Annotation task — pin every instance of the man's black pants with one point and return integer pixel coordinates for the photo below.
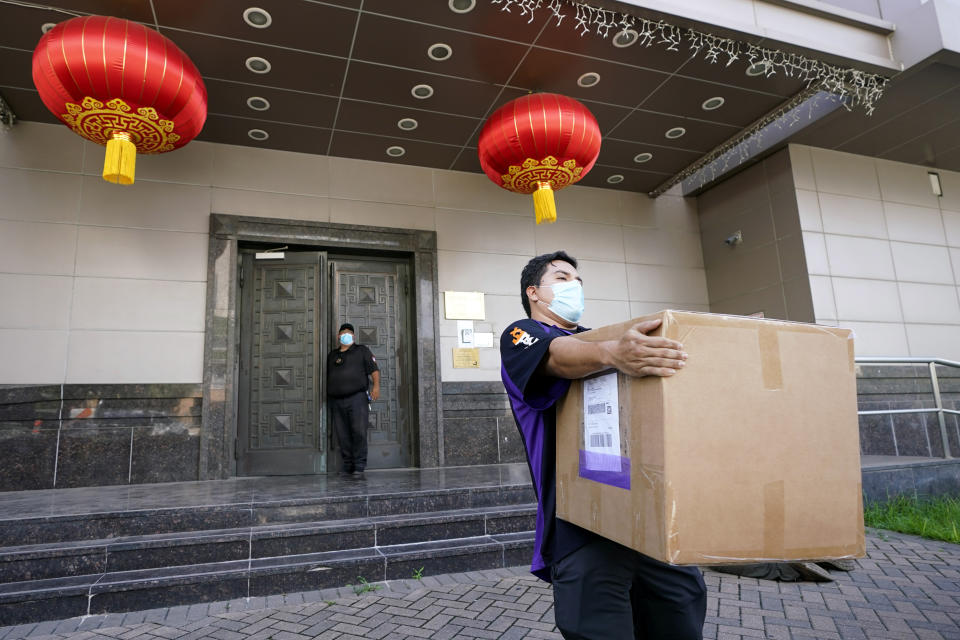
(351, 415)
(606, 591)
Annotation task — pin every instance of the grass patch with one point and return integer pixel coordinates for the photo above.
(933, 518)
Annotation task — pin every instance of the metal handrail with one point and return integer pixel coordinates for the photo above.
(939, 409)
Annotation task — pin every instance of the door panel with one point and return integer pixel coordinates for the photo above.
(372, 295)
(280, 422)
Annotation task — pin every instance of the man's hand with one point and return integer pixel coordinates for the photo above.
(638, 354)
(375, 393)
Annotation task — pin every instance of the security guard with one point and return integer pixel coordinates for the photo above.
(601, 590)
(347, 369)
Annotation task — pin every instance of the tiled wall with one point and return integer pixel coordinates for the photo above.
(766, 273)
(883, 251)
(106, 284)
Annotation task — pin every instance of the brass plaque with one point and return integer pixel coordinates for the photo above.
(466, 358)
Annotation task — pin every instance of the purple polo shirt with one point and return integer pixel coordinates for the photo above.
(533, 396)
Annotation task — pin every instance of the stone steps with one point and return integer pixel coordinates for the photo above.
(108, 561)
(130, 553)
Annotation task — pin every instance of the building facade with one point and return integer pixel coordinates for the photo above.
(136, 324)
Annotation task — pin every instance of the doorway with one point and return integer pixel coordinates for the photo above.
(291, 304)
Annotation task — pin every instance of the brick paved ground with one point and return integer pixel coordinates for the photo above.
(907, 588)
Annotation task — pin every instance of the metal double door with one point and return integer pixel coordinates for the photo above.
(290, 308)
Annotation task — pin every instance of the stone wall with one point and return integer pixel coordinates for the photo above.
(88, 435)
(906, 386)
(478, 427)
(76, 435)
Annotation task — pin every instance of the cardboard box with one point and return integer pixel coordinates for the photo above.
(750, 453)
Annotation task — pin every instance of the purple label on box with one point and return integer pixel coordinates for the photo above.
(605, 468)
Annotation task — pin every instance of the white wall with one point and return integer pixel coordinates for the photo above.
(883, 251)
(100, 283)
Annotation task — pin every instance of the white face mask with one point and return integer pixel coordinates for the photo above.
(567, 300)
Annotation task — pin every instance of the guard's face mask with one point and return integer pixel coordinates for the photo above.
(567, 300)
(346, 339)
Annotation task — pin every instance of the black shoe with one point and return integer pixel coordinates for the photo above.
(844, 564)
(359, 475)
(345, 474)
(810, 572)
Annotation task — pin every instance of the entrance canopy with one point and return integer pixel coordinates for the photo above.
(672, 86)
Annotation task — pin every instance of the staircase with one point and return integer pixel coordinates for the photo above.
(115, 549)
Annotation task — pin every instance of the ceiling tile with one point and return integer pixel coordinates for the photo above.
(735, 75)
(926, 119)
(633, 180)
(486, 18)
(20, 26)
(27, 105)
(929, 149)
(617, 153)
(296, 24)
(222, 58)
(685, 97)
(230, 98)
(644, 126)
(368, 147)
(17, 68)
(566, 38)
(468, 160)
(288, 137)
(557, 72)
(382, 119)
(378, 83)
(137, 10)
(404, 44)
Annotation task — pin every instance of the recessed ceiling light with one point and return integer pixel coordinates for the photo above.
(395, 151)
(625, 38)
(257, 103)
(257, 18)
(712, 103)
(462, 6)
(258, 134)
(759, 68)
(258, 64)
(589, 79)
(422, 91)
(439, 52)
(46, 26)
(407, 124)
(615, 178)
(674, 133)
(643, 157)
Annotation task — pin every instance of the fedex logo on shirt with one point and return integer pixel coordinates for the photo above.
(522, 337)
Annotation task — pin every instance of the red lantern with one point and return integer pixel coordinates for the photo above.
(120, 84)
(538, 144)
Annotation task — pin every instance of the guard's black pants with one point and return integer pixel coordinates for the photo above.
(605, 591)
(351, 415)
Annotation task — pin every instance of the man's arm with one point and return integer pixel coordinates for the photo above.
(375, 391)
(635, 354)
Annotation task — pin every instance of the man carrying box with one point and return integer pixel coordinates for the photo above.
(602, 590)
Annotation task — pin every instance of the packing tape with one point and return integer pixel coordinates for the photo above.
(774, 519)
(770, 367)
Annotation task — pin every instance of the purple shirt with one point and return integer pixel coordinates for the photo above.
(533, 396)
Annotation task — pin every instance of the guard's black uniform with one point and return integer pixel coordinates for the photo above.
(347, 373)
(601, 590)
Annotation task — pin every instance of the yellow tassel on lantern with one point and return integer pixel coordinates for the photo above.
(120, 160)
(543, 203)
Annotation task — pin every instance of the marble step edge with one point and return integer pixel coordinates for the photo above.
(60, 598)
(110, 524)
(143, 552)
